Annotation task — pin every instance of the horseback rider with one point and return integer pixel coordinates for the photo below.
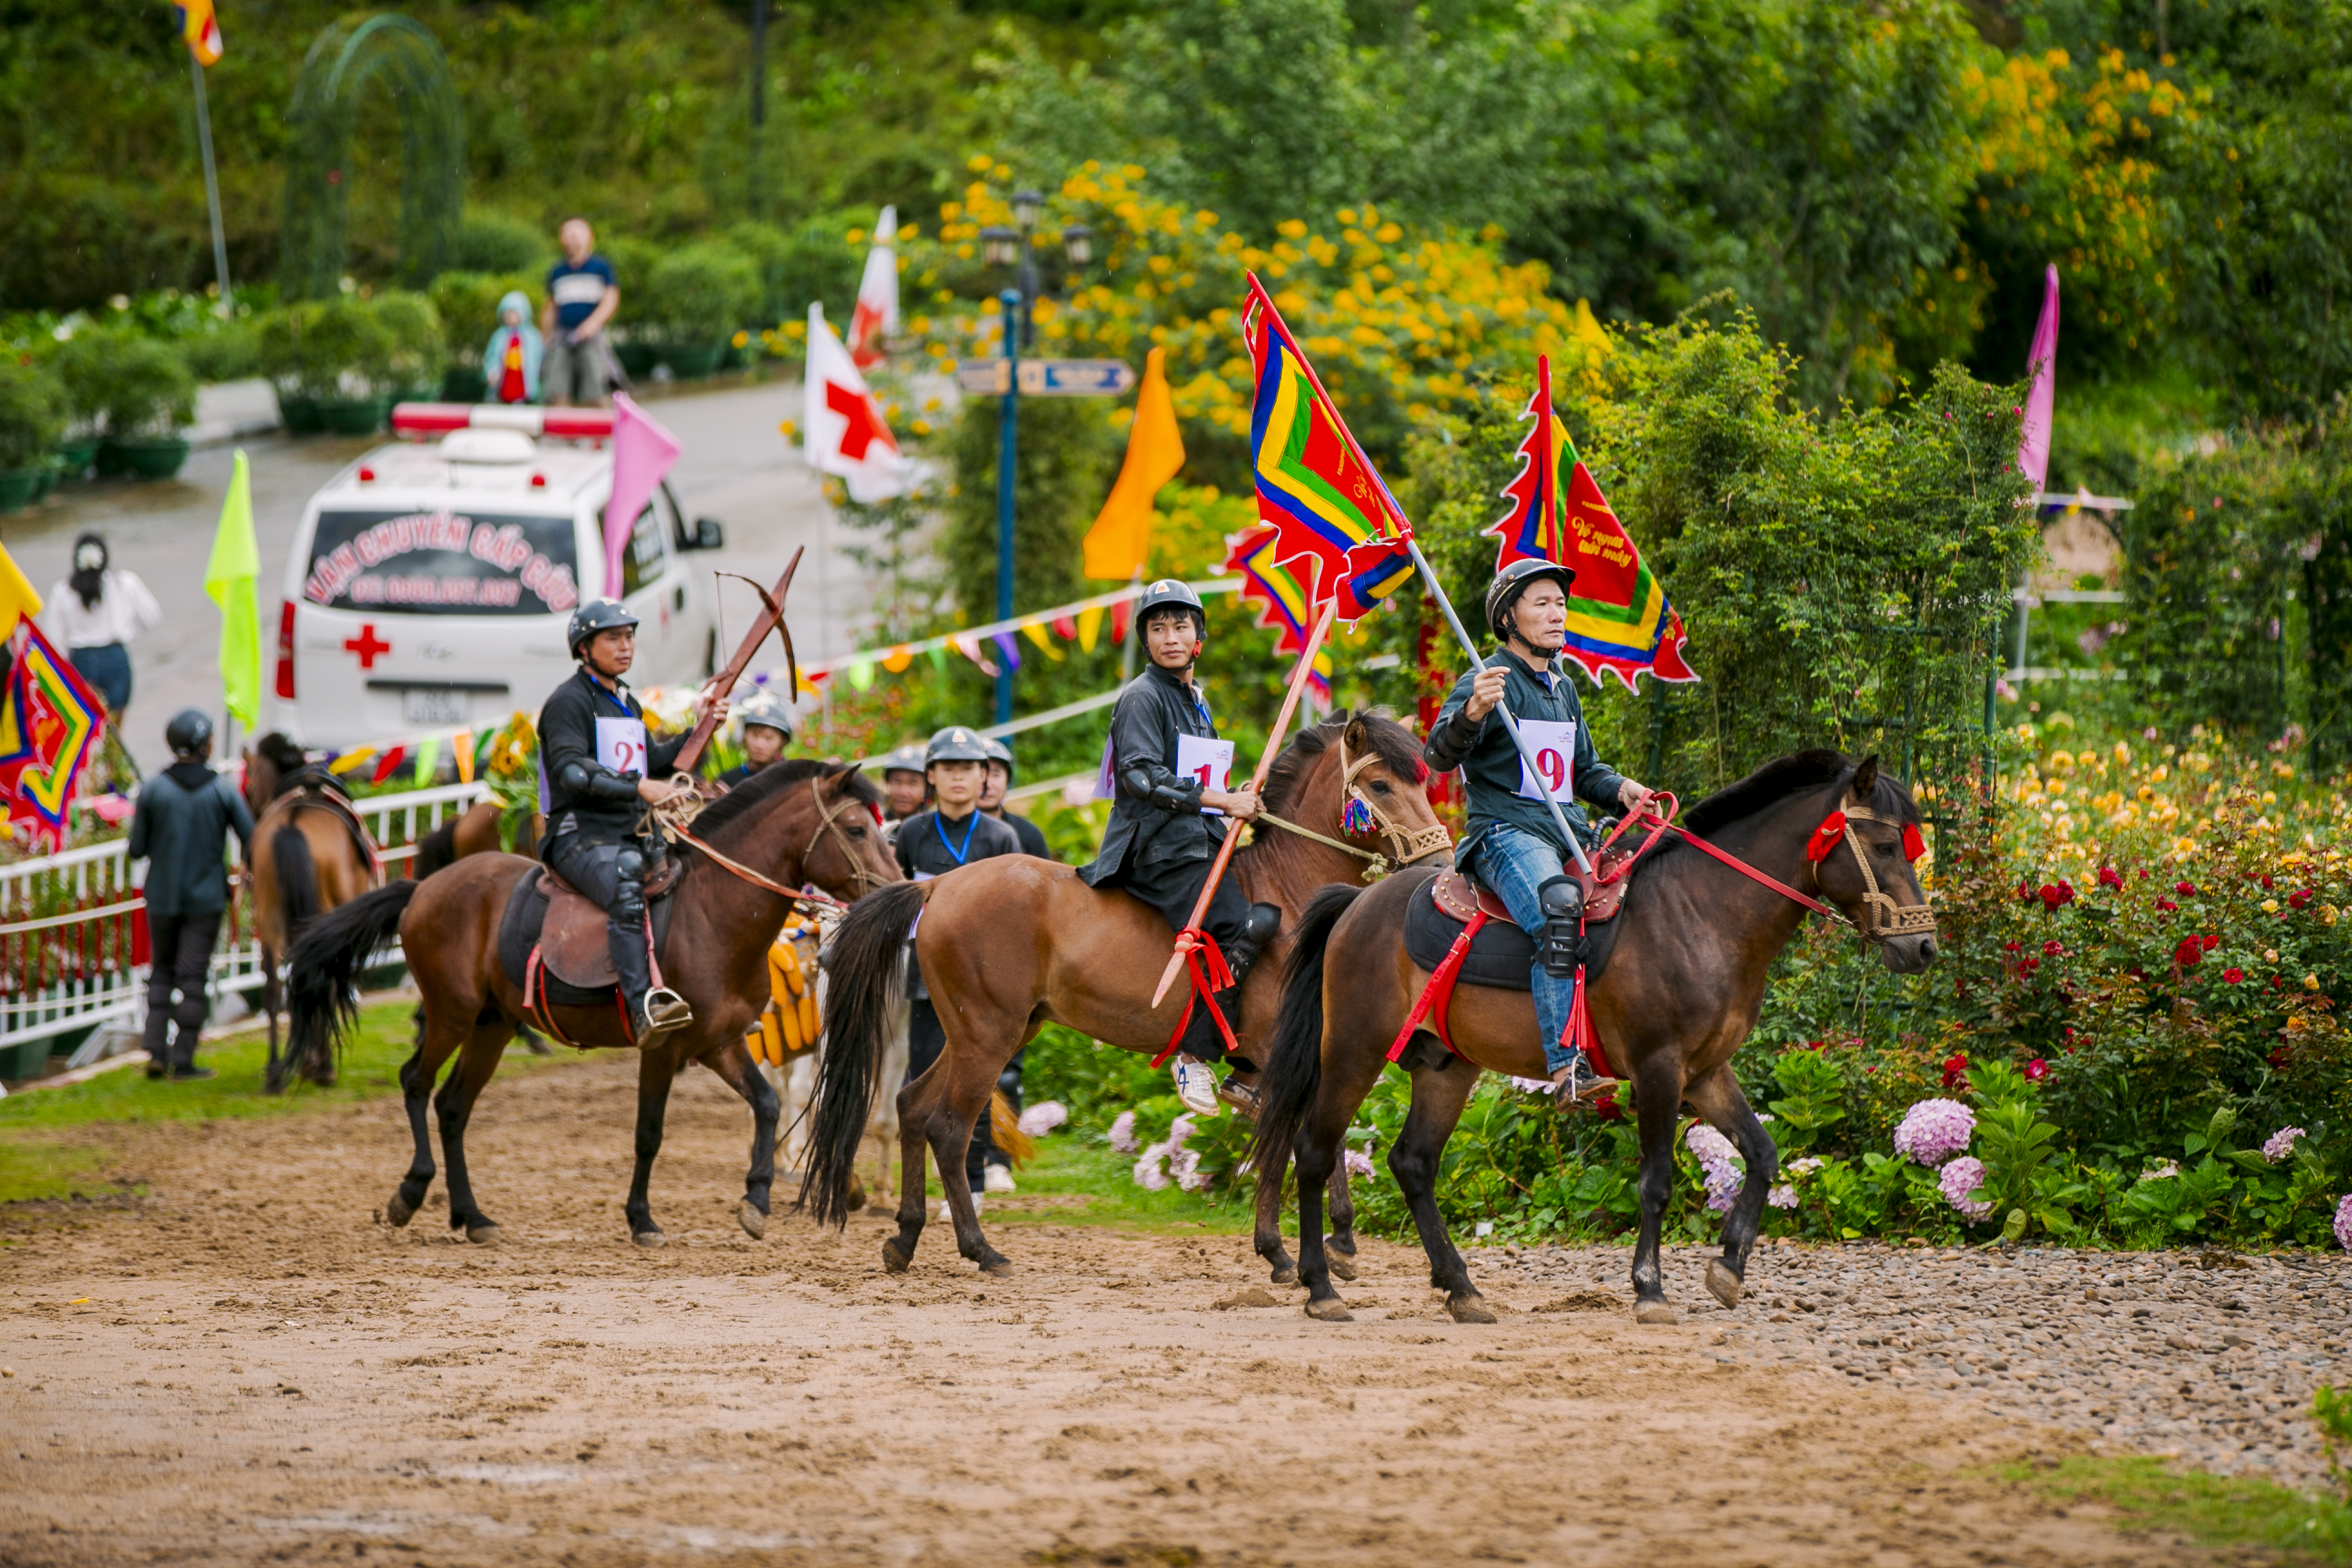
(767, 731)
(1167, 771)
(598, 771)
(1513, 845)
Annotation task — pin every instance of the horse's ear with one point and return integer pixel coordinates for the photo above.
(1359, 735)
(1865, 779)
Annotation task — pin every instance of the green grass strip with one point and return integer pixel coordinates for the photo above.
(2210, 1509)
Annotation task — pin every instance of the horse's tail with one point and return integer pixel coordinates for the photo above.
(1294, 1066)
(435, 849)
(322, 999)
(861, 965)
(298, 877)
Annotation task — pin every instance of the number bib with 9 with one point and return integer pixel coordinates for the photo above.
(1553, 742)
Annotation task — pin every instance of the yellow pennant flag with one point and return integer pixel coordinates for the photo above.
(230, 577)
(1036, 632)
(1122, 537)
(1090, 626)
(18, 599)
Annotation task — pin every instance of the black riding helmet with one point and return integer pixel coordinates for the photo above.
(1512, 581)
(956, 744)
(593, 616)
(1171, 592)
(189, 732)
(998, 752)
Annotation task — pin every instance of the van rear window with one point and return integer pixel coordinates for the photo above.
(442, 563)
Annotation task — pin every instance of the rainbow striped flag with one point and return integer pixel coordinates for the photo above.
(49, 726)
(1281, 598)
(1329, 518)
(1618, 617)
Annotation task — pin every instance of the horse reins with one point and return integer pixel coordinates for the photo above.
(1886, 917)
(678, 831)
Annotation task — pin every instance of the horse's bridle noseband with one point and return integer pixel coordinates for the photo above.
(827, 823)
(1406, 845)
(1881, 917)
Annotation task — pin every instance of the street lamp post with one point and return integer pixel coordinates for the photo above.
(1002, 246)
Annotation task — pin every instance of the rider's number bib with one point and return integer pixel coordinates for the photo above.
(1553, 742)
(621, 746)
(1205, 762)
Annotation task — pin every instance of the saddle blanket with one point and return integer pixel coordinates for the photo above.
(1501, 954)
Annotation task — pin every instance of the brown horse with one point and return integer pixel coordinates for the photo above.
(308, 854)
(798, 821)
(1679, 997)
(473, 831)
(1009, 944)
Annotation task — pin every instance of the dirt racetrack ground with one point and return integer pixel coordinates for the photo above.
(245, 1366)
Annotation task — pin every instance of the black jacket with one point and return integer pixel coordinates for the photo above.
(581, 796)
(927, 847)
(179, 827)
(1032, 836)
(1157, 813)
(1490, 762)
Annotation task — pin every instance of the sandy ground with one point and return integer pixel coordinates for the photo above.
(246, 1365)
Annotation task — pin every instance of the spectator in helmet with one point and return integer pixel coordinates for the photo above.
(992, 801)
(599, 769)
(180, 827)
(767, 730)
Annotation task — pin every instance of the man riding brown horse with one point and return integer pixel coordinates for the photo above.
(1514, 846)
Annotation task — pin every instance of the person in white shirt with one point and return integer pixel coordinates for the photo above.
(96, 613)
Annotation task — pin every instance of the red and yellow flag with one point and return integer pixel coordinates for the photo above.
(202, 30)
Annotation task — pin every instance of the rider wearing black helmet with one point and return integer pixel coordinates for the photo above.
(598, 771)
(1168, 770)
(767, 731)
(1513, 847)
(179, 827)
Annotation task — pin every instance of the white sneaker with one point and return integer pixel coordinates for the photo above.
(1196, 1086)
(1000, 1179)
(947, 1213)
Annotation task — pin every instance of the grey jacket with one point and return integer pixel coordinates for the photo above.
(179, 827)
(1490, 762)
(1157, 814)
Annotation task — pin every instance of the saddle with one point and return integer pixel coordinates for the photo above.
(1500, 952)
(316, 789)
(551, 940)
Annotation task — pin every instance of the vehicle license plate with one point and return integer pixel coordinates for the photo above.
(434, 705)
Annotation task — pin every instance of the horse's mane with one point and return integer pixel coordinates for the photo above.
(1392, 743)
(776, 778)
(1778, 779)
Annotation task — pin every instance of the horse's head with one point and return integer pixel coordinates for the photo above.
(1360, 778)
(270, 762)
(1865, 868)
(845, 853)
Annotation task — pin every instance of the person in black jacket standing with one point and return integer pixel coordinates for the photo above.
(992, 803)
(179, 827)
(598, 771)
(1168, 773)
(954, 832)
(1513, 845)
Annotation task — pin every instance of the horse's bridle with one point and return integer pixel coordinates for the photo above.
(1881, 917)
(1406, 845)
(828, 825)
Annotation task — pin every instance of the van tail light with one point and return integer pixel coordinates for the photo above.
(286, 649)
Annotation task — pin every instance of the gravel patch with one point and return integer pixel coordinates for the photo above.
(2206, 1356)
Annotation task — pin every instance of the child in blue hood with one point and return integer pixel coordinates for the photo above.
(511, 365)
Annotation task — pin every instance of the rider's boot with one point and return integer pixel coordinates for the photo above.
(1577, 1083)
(655, 1012)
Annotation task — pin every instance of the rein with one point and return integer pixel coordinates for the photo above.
(1406, 846)
(1886, 917)
(675, 829)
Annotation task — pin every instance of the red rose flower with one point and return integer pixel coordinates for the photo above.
(2185, 887)
(2052, 948)
(2110, 878)
(2167, 905)
(2036, 1070)
(2055, 894)
(2266, 881)
(2233, 975)
(2295, 901)
(2189, 956)
(2025, 892)
(2143, 873)
(1956, 1069)
(2028, 965)
(2208, 942)
(2012, 947)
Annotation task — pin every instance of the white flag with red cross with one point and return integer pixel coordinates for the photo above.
(876, 316)
(845, 432)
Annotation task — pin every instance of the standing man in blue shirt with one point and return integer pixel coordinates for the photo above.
(576, 366)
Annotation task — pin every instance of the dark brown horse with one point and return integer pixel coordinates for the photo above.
(1011, 943)
(308, 854)
(1680, 995)
(473, 831)
(799, 821)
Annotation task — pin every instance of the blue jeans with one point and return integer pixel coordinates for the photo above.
(1515, 863)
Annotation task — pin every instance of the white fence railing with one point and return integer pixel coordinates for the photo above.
(73, 932)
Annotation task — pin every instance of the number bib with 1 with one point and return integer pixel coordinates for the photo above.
(1206, 762)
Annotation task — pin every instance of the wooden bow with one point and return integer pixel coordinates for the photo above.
(769, 618)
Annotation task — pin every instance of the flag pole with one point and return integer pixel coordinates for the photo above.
(211, 185)
(1437, 591)
(1184, 942)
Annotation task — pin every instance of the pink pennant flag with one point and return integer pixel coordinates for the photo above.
(641, 453)
(2042, 398)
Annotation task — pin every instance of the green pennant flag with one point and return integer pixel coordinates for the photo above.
(230, 577)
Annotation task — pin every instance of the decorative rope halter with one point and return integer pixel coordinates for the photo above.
(1358, 815)
(1881, 917)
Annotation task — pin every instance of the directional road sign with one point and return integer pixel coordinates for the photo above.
(1048, 377)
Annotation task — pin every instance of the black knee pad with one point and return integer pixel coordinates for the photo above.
(629, 893)
(1263, 921)
(1562, 948)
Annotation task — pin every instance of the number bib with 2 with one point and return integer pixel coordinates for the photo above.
(1553, 742)
(1206, 762)
(621, 746)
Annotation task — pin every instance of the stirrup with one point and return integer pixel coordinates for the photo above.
(663, 1012)
(1242, 1097)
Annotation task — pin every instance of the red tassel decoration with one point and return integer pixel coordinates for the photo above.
(1825, 837)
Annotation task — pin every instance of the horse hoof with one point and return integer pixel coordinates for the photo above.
(755, 1223)
(1330, 1310)
(1469, 1308)
(1655, 1312)
(1286, 1276)
(649, 1240)
(482, 1234)
(1722, 1283)
(897, 1255)
(397, 1212)
(1343, 1265)
(997, 1268)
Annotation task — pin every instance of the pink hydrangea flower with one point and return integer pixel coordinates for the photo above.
(1122, 1133)
(1781, 1197)
(1960, 1181)
(2343, 1222)
(1042, 1117)
(1359, 1163)
(1805, 1166)
(1719, 1162)
(1933, 1131)
(1152, 1168)
(2280, 1144)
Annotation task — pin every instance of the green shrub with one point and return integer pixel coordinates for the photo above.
(230, 353)
(813, 261)
(490, 241)
(347, 346)
(412, 343)
(125, 383)
(468, 304)
(697, 293)
(32, 412)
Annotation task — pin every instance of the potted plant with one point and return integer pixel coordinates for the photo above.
(32, 417)
(288, 357)
(138, 391)
(695, 299)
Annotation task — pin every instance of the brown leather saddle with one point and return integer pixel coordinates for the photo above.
(1500, 953)
(551, 927)
(1458, 895)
